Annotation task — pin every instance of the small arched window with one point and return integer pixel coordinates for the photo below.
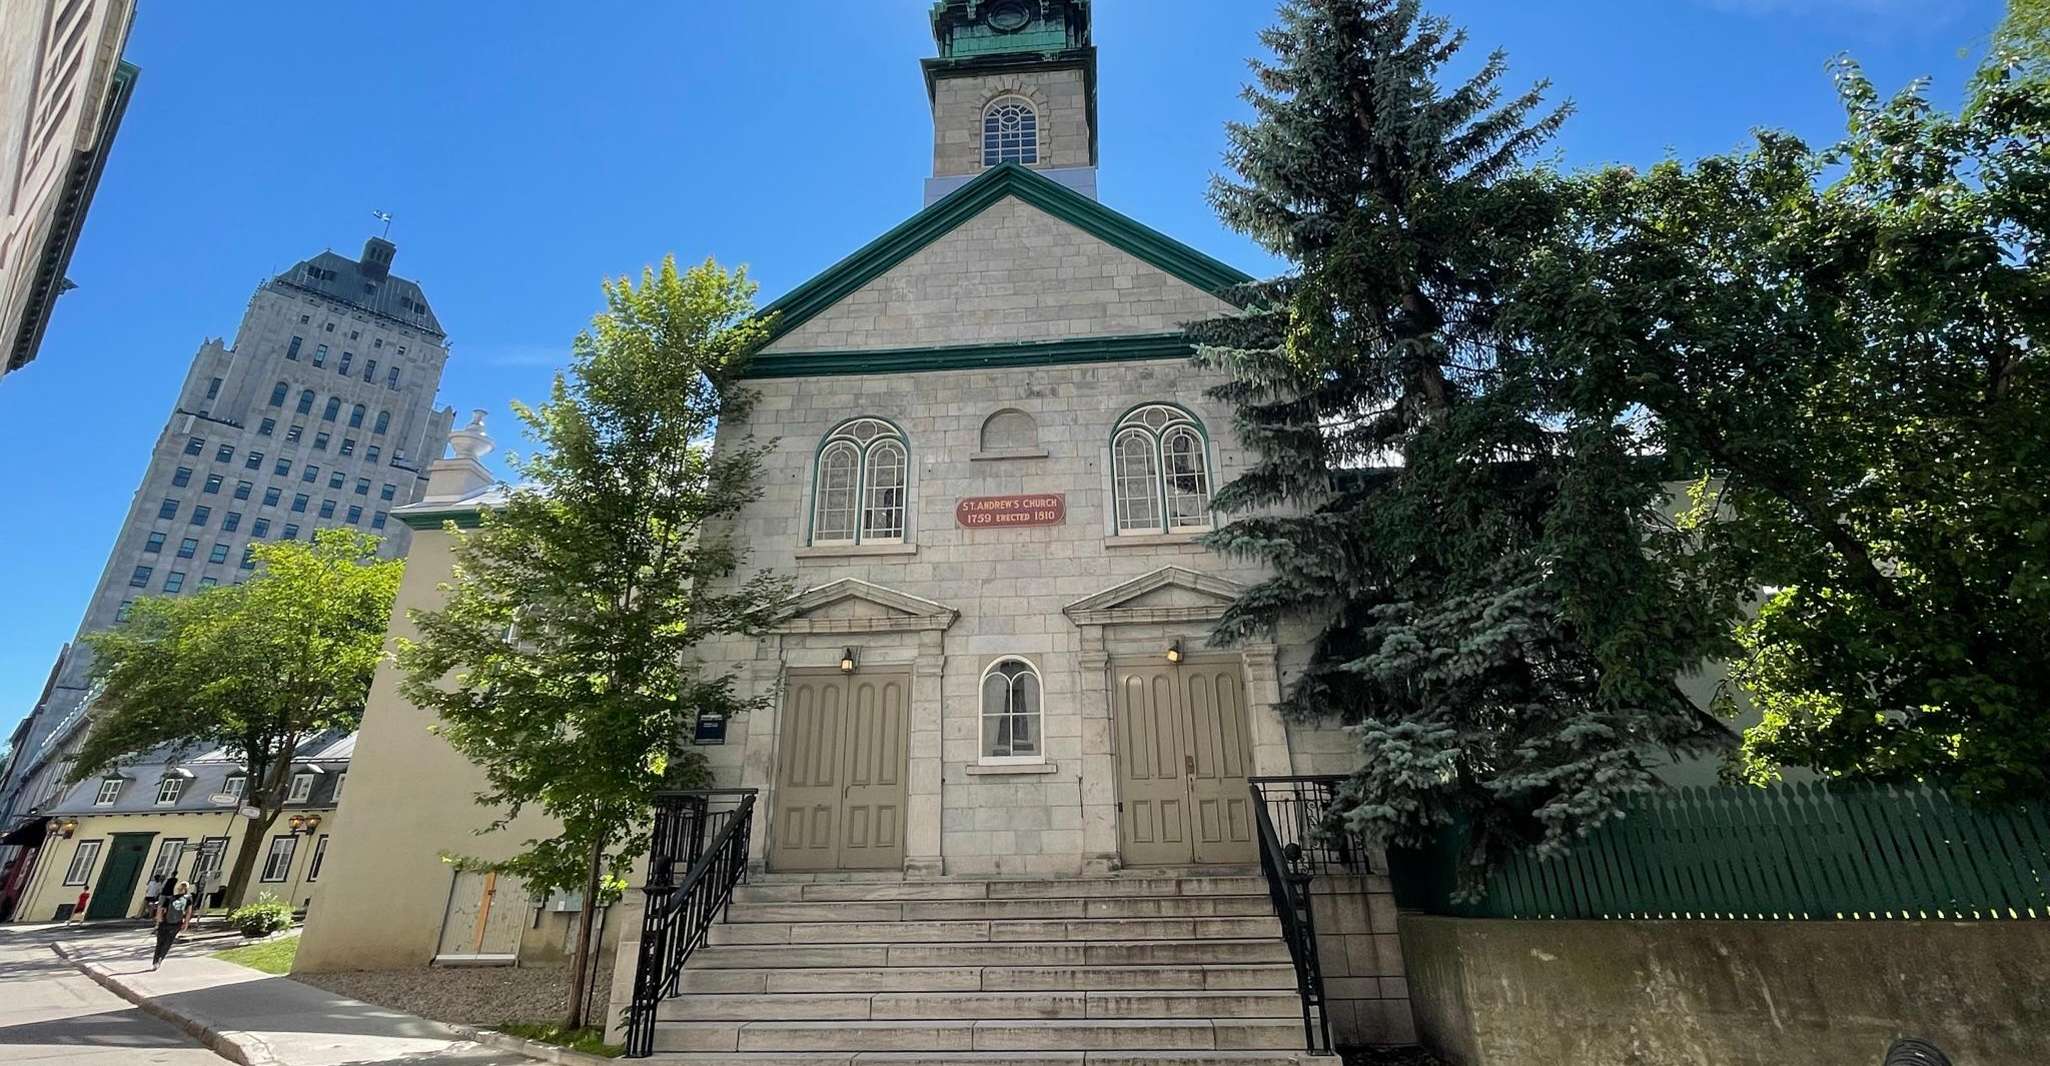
(277, 394)
(1011, 713)
(306, 402)
(356, 416)
(858, 493)
(383, 422)
(1160, 472)
(334, 409)
(1010, 132)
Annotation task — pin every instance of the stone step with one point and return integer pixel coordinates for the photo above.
(1007, 953)
(990, 1058)
(999, 1035)
(987, 978)
(1078, 888)
(889, 1006)
(882, 932)
(1005, 909)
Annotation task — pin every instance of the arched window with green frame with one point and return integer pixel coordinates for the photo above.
(860, 484)
(1160, 472)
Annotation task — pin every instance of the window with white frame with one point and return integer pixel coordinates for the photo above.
(82, 860)
(110, 790)
(277, 863)
(168, 857)
(1010, 132)
(1011, 713)
(340, 780)
(302, 788)
(169, 789)
(1160, 472)
(313, 864)
(234, 785)
(859, 488)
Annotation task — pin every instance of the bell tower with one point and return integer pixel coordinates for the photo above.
(1015, 82)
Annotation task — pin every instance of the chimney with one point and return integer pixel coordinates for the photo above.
(377, 253)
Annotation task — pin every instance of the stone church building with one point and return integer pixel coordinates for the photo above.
(994, 460)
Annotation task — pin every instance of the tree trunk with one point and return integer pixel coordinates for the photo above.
(270, 799)
(579, 967)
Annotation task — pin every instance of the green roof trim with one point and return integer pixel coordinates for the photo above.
(876, 258)
(972, 356)
(463, 517)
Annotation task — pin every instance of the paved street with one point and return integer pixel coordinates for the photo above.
(51, 1013)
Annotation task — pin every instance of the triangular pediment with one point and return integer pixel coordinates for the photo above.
(851, 605)
(1011, 257)
(1169, 594)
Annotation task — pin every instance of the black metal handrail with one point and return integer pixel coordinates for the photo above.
(679, 914)
(1304, 812)
(1288, 883)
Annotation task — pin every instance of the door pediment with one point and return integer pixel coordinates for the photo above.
(851, 605)
(1169, 594)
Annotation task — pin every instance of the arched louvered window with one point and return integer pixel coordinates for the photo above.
(1010, 132)
(1160, 472)
(860, 485)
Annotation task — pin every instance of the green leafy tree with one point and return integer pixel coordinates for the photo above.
(253, 669)
(1845, 340)
(1473, 549)
(561, 662)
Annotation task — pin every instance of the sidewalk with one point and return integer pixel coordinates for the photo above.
(256, 1019)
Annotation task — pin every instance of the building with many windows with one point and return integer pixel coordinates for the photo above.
(320, 414)
(63, 89)
(162, 815)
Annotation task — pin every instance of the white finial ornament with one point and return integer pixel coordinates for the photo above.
(471, 442)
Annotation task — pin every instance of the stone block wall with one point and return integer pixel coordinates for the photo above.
(1059, 97)
(1366, 992)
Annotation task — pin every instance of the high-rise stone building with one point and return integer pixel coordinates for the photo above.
(320, 414)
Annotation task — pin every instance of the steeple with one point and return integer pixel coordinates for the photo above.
(1015, 82)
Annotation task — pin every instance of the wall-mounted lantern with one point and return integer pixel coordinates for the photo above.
(67, 827)
(305, 823)
(847, 662)
(1174, 653)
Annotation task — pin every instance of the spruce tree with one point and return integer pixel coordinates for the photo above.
(1477, 554)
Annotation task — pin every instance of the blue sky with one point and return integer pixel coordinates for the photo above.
(528, 149)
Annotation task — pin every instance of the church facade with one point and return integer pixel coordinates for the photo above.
(994, 462)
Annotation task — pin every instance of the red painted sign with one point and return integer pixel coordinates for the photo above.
(1034, 509)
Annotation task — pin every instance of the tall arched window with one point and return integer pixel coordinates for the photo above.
(1010, 132)
(334, 409)
(356, 417)
(277, 394)
(1011, 713)
(1160, 472)
(859, 489)
(383, 422)
(306, 401)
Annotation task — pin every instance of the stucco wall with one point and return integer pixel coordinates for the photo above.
(1508, 993)
(48, 890)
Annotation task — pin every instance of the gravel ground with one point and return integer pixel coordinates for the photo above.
(464, 996)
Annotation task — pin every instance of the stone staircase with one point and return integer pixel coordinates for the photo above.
(1148, 970)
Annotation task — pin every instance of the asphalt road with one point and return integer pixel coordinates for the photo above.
(51, 1013)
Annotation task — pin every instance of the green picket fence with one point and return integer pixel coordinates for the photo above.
(1790, 852)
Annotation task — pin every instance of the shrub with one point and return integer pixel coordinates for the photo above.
(267, 915)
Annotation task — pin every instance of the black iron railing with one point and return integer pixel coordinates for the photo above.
(1301, 836)
(705, 834)
(1304, 813)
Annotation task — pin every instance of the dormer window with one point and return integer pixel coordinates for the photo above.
(1010, 132)
(110, 790)
(302, 788)
(169, 789)
(234, 785)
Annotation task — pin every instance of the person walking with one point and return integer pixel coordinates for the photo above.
(174, 910)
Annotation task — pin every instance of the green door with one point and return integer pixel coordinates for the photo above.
(117, 875)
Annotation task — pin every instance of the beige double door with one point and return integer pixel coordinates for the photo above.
(1184, 750)
(840, 791)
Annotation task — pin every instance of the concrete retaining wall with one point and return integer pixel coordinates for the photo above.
(1544, 993)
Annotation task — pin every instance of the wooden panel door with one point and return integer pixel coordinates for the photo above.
(120, 868)
(1183, 755)
(840, 788)
(1220, 743)
(1153, 788)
